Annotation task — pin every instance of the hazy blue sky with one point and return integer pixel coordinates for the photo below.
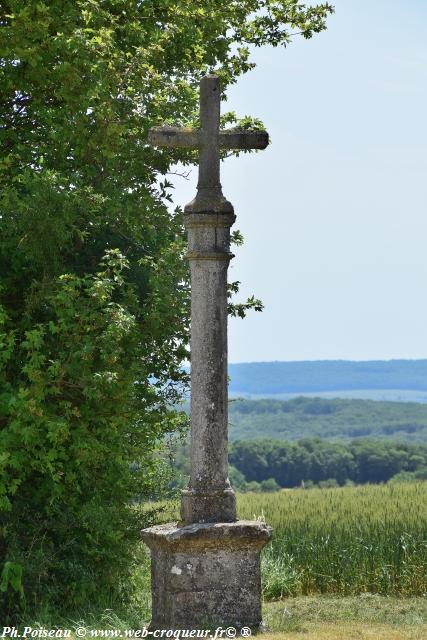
(334, 212)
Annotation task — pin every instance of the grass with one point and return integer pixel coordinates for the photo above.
(349, 632)
(367, 616)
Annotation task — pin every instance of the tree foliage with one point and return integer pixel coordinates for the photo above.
(318, 461)
(93, 288)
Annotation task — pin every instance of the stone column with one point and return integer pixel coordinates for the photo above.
(209, 497)
(205, 570)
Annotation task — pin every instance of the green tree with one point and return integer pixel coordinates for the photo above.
(237, 478)
(269, 485)
(317, 461)
(93, 288)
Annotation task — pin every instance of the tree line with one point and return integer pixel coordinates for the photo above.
(290, 464)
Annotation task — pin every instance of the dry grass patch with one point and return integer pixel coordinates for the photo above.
(363, 617)
(349, 631)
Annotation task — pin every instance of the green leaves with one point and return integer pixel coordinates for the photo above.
(240, 309)
(76, 421)
(11, 576)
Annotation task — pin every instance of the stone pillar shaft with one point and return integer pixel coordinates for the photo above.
(209, 497)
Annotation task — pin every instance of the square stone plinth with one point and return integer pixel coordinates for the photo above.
(206, 574)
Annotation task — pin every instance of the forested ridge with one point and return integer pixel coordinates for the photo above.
(325, 442)
(334, 419)
(326, 375)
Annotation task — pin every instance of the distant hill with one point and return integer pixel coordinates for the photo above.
(327, 419)
(271, 378)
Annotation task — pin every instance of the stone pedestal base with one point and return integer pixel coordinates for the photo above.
(206, 575)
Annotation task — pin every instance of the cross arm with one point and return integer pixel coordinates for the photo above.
(178, 137)
(243, 139)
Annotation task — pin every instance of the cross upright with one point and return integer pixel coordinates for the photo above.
(207, 566)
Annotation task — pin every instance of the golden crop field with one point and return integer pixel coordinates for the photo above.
(347, 540)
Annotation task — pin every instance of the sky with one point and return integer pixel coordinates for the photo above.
(334, 211)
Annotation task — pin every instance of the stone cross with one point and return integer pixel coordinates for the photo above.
(208, 218)
(206, 568)
(209, 139)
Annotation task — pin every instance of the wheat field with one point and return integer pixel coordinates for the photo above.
(349, 540)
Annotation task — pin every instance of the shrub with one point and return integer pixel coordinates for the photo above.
(66, 482)
(269, 485)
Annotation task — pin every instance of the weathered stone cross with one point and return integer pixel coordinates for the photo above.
(209, 140)
(207, 568)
